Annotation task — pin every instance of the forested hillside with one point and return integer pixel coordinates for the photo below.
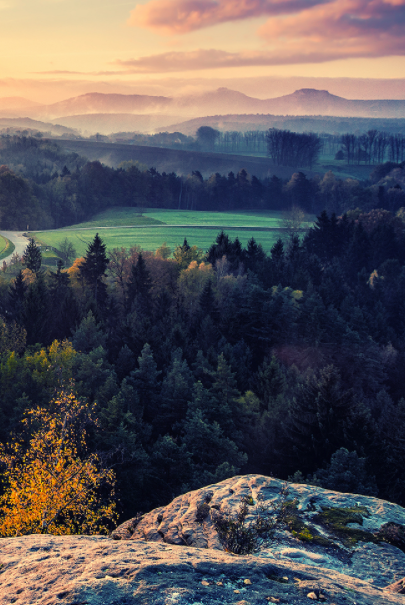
(207, 365)
(212, 363)
(43, 187)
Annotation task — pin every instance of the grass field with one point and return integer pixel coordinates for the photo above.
(115, 217)
(125, 227)
(6, 247)
(343, 170)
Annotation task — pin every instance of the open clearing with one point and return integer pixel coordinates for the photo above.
(6, 247)
(126, 227)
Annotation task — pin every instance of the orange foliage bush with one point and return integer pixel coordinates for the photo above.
(52, 485)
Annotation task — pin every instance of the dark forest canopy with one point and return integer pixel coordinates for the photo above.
(207, 365)
(43, 187)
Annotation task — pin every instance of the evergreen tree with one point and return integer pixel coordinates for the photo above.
(207, 299)
(93, 269)
(139, 285)
(32, 256)
(36, 312)
(277, 263)
(227, 394)
(146, 384)
(16, 295)
(346, 473)
(269, 383)
(176, 392)
(215, 456)
(88, 335)
(322, 419)
(171, 471)
(64, 311)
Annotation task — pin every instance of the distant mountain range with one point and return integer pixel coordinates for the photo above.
(247, 122)
(166, 110)
(106, 123)
(16, 104)
(13, 124)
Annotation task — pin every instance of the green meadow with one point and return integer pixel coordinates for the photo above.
(149, 229)
(6, 247)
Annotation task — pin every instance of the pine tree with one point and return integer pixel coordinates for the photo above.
(215, 456)
(145, 382)
(270, 383)
(64, 312)
(32, 256)
(322, 419)
(93, 269)
(227, 394)
(139, 286)
(36, 311)
(176, 392)
(207, 299)
(16, 296)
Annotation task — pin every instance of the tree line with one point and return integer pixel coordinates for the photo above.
(42, 187)
(372, 148)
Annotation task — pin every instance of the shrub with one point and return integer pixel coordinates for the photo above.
(241, 537)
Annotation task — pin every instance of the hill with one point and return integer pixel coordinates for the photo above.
(106, 123)
(36, 125)
(176, 160)
(306, 101)
(107, 103)
(330, 124)
(10, 106)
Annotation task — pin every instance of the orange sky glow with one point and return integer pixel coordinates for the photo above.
(53, 49)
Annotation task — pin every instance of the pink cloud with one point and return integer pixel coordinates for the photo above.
(342, 19)
(298, 31)
(175, 61)
(342, 28)
(182, 16)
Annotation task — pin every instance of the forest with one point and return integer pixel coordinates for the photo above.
(206, 365)
(43, 187)
(211, 363)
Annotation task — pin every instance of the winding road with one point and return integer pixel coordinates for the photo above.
(19, 240)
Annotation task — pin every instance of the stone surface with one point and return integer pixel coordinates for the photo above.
(167, 557)
(380, 564)
(95, 570)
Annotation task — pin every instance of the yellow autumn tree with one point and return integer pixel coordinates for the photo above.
(53, 484)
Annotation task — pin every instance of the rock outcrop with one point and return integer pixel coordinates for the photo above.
(340, 549)
(359, 536)
(94, 570)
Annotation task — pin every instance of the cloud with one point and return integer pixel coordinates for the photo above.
(343, 19)
(182, 16)
(175, 61)
(64, 72)
(298, 31)
(343, 29)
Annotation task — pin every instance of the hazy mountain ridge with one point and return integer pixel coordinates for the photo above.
(306, 101)
(248, 122)
(30, 124)
(106, 123)
(11, 105)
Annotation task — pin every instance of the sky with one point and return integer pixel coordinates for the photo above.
(53, 49)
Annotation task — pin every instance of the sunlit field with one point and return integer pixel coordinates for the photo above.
(6, 247)
(149, 228)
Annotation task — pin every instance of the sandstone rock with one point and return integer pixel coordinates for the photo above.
(95, 570)
(358, 550)
(398, 587)
(330, 544)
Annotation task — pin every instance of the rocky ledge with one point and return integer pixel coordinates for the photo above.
(304, 544)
